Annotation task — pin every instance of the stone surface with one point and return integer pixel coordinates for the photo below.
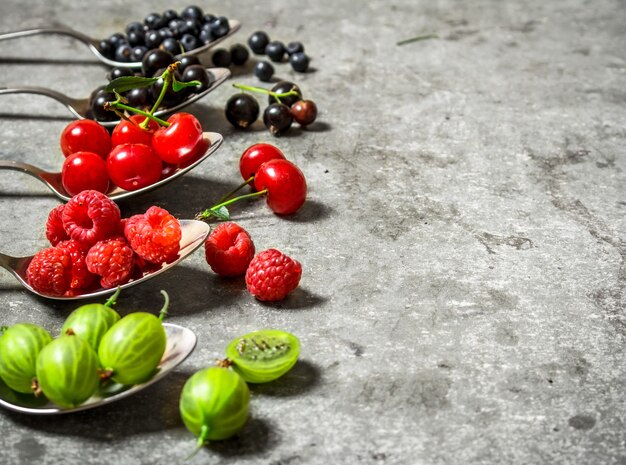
(463, 241)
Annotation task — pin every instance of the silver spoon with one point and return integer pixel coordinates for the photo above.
(81, 108)
(180, 343)
(194, 234)
(53, 180)
(94, 44)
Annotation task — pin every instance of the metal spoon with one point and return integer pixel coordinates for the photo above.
(194, 234)
(81, 107)
(180, 343)
(94, 44)
(212, 140)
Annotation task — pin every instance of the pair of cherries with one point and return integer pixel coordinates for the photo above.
(133, 157)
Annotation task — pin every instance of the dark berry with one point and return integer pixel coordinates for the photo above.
(155, 60)
(221, 57)
(171, 98)
(258, 41)
(154, 21)
(153, 39)
(197, 73)
(207, 18)
(136, 37)
(187, 60)
(107, 49)
(192, 12)
(97, 107)
(138, 97)
(169, 15)
(304, 112)
(118, 71)
(177, 27)
(277, 118)
(189, 42)
(134, 27)
(191, 27)
(299, 62)
(242, 110)
(123, 52)
(165, 33)
(138, 52)
(205, 36)
(275, 50)
(283, 87)
(171, 45)
(264, 71)
(116, 39)
(219, 27)
(239, 54)
(294, 47)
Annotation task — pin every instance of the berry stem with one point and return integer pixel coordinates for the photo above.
(418, 38)
(167, 81)
(261, 90)
(117, 104)
(210, 211)
(113, 299)
(238, 188)
(163, 311)
(202, 441)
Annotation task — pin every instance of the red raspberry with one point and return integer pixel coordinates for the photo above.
(55, 232)
(90, 217)
(272, 275)
(50, 271)
(81, 277)
(113, 260)
(229, 249)
(154, 236)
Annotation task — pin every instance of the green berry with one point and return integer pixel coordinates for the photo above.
(19, 347)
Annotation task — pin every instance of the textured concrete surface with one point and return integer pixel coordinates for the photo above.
(463, 241)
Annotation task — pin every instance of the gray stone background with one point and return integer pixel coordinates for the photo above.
(463, 241)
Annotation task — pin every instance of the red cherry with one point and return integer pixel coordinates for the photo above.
(85, 135)
(133, 166)
(84, 171)
(181, 141)
(168, 170)
(129, 132)
(254, 156)
(285, 184)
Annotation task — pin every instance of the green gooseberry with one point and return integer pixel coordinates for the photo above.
(92, 321)
(263, 356)
(68, 371)
(19, 348)
(214, 404)
(131, 350)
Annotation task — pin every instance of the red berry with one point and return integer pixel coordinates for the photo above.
(55, 232)
(304, 112)
(50, 271)
(154, 236)
(85, 135)
(113, 260)
(254, 156)
(179, 142)
(229, 249)
(81, 277)
(285, 184)
(133, 166)
(272, 275)
(84, 171)
(129, 132)
(90, 217)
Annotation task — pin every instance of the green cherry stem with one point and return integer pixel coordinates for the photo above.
(119, 105)
(236, 189)
(113, 299)
(163, 311)
(210, 211)
(261, 90)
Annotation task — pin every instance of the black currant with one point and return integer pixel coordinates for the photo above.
(192, 12)
(294, 47)
(171, 98)
(264, 71)
(97, 107)
(171, 45)
(165, 33)
(304, 112)
(221, 57)
(107, 49)
(219, 27)
(283, 87)
(242, 110)
(136, 37)
(189, 42)
(155, 60)
(169, 15)
(277, 118)
(275, 50)
(123, 53)
(138, 97)
(187, 60)
(154, 21)
(134, 27)
(208, 18)
(117, 39)
(177, 26)
(191, 27)
(119, 71)
(138, 53)
(258, 41)
(197, 73)
(153, 39)
(239, 54)
(299, 62)
(205, 36)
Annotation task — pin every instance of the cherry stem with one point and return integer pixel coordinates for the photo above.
(117, 104)
(113, 299)
(210, 211)
(167, 77)
(261, 90)
(238, 188)
(163, 311)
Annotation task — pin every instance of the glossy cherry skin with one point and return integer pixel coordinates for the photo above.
(181, 141)
(129, 132)
(285, 184)
(84, 171)
(254, 156)
(133, 166)
(85, 135)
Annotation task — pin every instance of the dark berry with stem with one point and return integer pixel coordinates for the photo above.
(239, 54)
(189, 42)
(221, 57)
(219, 27)
(138, 52)
(187, 60)
(299, 62)
(284, 87)
(155, 60)
(264, 71)
(258, 41)
(171, 45)
(242, 110)
(192, 12)
(123, 53)
(197, 73)
(304, 112)
(119, 71)
(277, 118)
(275, 50)
(153, 39)
(294, 47)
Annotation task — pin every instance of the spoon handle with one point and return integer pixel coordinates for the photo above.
(71, 104)
(66, 31)
(13, 165)
(9, 263)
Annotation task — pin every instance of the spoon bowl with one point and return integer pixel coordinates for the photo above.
(81, 107)
(180, 343)
(194, 233)
(212, 141)
(94, 44)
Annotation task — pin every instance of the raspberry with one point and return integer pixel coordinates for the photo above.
(272, 275)
(55, 232)
(81, 277)
(113, 260)
(154, 236)
(90, 217)
(50, 271)
(229, 249)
